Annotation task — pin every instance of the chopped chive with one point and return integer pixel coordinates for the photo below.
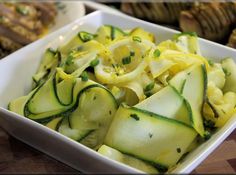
(85, 36)
(178, 150)
(210, 62)
(148, 94)
(150, 135)
(52, 50)
(209, 124)
(137, 38)
(161, 168)
(126, 60)
(227, 73)
(80, 48)
(223, 111)
(157, 53)
(149, 87)
(132, 53)
(207, 135)
(69, 60)
(134, 116)
(94, 63)
(84, 76)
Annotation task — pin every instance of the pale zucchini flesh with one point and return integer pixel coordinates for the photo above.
(44, 100)
(229, 67)
(192, 84)
(126, 159)
(51, 59)
(168, 102)
(147, 136)
(98, 119)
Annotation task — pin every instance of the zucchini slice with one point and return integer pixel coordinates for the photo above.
(54, 123)
(90, 126)
(187, 42)
(168, 102)
(44, 100)
(44, 104)
(192, 83)
(71, 44)
(229, 67)
(85, 36)
(64, 128)
(104, 107)
(64, 91)
(18, 105)
(126, 159)
(51, 59)
(129, 61)
(178, 81)
(148, 136)
(142, 34)
(194, 92)
(106, 33)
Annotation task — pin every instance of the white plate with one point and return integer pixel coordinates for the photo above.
(17, 69)
(67, 13)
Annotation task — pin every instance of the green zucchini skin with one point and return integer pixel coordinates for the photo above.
(108, 32)
(147, 136)
(229, 67)
(85, 36)
(86, 133)
(44, 102)
(66, 89)
(80, 126)
(178, 107)
(185, 82)
(127, 159)
(51, 59)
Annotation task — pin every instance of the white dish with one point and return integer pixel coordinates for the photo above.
(99, 6)
(67, 12)
(16, 72)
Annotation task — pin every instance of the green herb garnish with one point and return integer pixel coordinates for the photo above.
(157, 53)
(178, 150)
(210, 62)
(137, 39)
(84, 76)
(150, 135)
(134, 116)
(69, 60)
(148, 94)
(209, 124)
(85, 36)
(149, 87)
(227, 73)
(126, 60)
(94, 63)
(207, 135)
(132, 53)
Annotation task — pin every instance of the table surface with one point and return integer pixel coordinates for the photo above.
(17, 157)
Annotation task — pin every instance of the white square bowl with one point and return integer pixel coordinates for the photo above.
(16, 72)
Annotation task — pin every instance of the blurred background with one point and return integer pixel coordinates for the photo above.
(213, 20)
(22, 22)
